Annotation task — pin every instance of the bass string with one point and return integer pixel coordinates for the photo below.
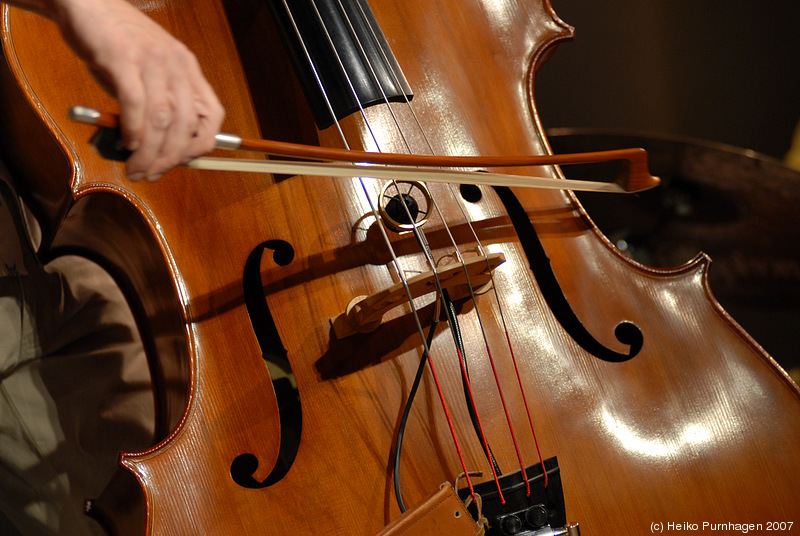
(419, 233)
(376, 215)
(480, 250)
(417, 230)
(373, 208)
(395, 260)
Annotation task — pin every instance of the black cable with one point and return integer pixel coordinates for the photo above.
(454, 325)
(452, 317)
(401, 429)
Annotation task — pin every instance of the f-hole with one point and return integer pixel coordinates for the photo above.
(273, 351)
(626, 332)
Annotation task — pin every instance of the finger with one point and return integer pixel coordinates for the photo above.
(210, 114)
(158, 116)
(179, 134)
(131, 97)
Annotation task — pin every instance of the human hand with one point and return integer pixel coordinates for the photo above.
(169, 113)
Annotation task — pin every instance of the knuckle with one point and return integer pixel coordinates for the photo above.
(161, 117)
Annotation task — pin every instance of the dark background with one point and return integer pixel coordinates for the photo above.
(722, 71)
(726, 72)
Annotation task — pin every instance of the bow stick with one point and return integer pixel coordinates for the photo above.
(332, 162)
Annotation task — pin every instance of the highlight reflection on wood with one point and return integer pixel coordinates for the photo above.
(700, 425)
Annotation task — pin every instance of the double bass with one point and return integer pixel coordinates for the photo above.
(561, 383)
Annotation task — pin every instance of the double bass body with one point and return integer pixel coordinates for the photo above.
(698, 426)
